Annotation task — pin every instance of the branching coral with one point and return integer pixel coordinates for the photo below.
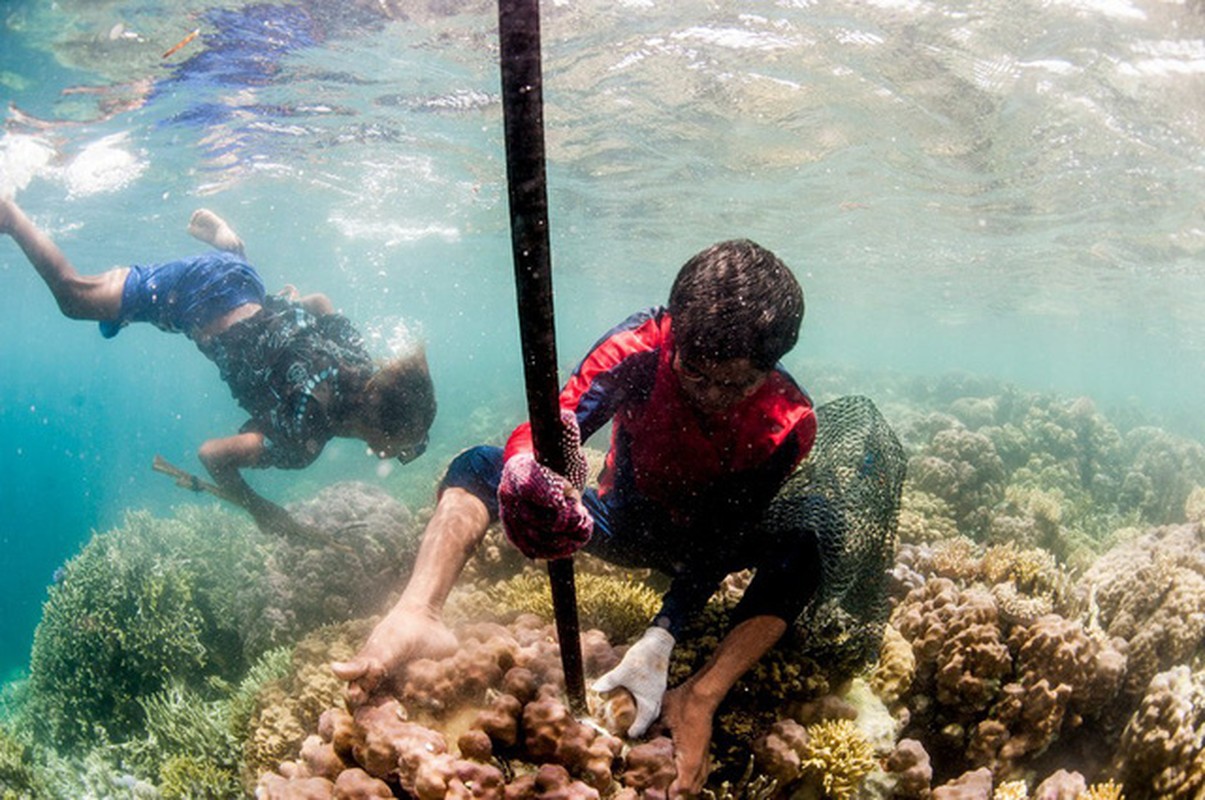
(122, 623)
(619, 608)
(194, 598)
(1102, 791)
(286, 710)
(17, 776)
(836, 751)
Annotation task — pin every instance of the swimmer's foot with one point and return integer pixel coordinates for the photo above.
(213, 230)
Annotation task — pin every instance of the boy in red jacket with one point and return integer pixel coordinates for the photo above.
(706, 426)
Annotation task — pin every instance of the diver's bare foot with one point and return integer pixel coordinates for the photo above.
(689, 722)
(401, 637)
(213, 230)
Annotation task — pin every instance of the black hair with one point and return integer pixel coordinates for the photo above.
(404, 396)
(736, 299)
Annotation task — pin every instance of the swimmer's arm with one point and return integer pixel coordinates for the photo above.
(223, 458)
(317, 304)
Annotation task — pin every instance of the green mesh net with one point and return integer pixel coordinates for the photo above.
(848, 491)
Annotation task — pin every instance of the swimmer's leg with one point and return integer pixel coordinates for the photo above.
(213, 230)
(96, 297)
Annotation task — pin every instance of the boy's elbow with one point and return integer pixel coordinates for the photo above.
(210, 454)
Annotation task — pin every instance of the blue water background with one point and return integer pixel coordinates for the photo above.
(1012, 192)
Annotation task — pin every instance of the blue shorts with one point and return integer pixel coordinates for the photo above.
(185, 295)
(640, 535)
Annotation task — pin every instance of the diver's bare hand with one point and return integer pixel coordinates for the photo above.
(690, 723)
(404, 635)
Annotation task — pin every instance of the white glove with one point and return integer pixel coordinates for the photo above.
(643, 671)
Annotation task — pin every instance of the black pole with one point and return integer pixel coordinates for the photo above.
(523, 113)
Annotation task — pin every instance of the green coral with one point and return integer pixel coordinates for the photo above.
(838, 753)
(192, 778)
(120, 625)
(155, 602)
(191, 600)
(17, 775)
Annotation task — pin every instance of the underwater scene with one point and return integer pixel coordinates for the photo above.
(995, 212)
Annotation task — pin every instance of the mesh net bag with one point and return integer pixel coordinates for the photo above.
(848, 491)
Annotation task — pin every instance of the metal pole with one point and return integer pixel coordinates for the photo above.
(523, 113)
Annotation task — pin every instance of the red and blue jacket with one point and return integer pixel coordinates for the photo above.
(699, 470)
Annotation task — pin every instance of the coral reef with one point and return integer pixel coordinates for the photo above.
(998, 693)
(168, 664)
(1163, 471)
(836, 752)
(893, 673)
(963, 469)
(1102, 791)
(121, 624)
(284, 711)
(619, 606)
(197, 598)
(1162, 749)
(1150, 592)
(911, 769)
(925, 518)
(506, 689)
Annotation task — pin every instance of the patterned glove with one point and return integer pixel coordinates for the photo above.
(643, 672)
(542, 512)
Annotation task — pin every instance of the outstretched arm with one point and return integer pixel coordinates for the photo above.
(223, 458)
(413, 628)
(689, 709)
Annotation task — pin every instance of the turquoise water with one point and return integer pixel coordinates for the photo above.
(1009, 190)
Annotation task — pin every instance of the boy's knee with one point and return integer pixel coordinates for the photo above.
(478, 471)
(90, 297)
(209, 454)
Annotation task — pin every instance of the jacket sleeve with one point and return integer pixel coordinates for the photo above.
(621, 363)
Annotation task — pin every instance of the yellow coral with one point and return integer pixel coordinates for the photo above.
(1012, 790)
(1102, 791)
(1028, 568)
(838, 752)
(286, 710)
(955, 558)
(1194, 506)
(619, 608)
(896, 667)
